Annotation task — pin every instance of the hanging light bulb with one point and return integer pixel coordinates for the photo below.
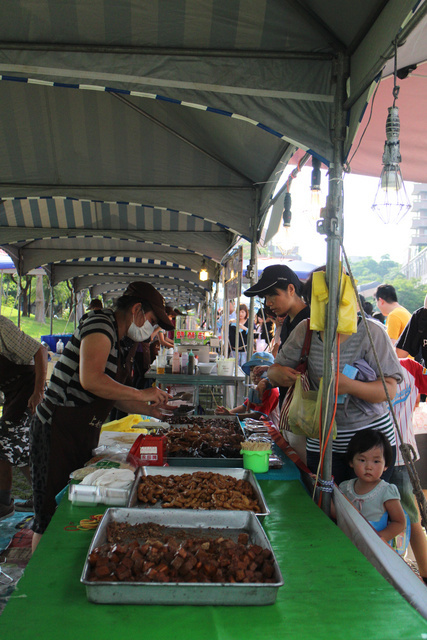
(315, 203)
(203, 275)
(286, 220)
(315, 174)
(391, 201)
(287, 215)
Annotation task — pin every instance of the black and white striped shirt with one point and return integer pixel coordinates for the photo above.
(340, 444)
(64, 388)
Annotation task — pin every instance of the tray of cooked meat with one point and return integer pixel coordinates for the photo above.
(181, 557)
(192, 488)
(212, 441)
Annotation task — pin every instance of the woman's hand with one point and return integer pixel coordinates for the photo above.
(344, 383)
(369, 391)
(282, 376)
(154, 395)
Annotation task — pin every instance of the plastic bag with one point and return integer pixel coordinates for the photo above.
(302, 411)
(305, 411)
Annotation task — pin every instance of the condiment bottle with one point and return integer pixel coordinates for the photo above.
(184, 362)
(59, 346)
(175, 361)
(190, 363)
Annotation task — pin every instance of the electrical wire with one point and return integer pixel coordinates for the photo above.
(348, 164)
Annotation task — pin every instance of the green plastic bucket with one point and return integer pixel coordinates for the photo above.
(256, 461)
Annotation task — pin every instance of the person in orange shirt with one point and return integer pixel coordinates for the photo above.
(397, 317)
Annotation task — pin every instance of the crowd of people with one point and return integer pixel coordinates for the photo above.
(52, 430)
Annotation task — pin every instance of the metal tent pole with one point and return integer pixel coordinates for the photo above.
(332, 226)
(75, 303)
(19, 300)
(51, 307)
(252, 272)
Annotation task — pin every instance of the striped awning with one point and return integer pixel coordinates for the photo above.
(138, 131)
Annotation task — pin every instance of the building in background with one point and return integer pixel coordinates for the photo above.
(416, 266)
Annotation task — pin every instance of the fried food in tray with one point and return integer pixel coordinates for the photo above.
(203, 438)
(198, 490)
(135, 558)
(154, 553)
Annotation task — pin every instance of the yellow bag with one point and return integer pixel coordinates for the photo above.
(124, 424)
(347, 311)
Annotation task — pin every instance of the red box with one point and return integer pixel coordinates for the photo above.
(148, 451)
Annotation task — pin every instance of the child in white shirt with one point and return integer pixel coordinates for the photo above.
(369, 454)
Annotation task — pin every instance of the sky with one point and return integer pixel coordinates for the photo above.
(364, 233)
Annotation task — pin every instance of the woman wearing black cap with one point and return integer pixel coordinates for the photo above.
(282, 289)
(365, 405)
(86, 383)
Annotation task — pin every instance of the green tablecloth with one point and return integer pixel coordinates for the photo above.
(330, 591)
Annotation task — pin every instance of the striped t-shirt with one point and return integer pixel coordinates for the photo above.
(405, 400)
(340, 444)
(64, 388)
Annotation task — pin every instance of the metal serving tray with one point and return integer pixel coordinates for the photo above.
(197, 461)
(227, 523)
(238, 474)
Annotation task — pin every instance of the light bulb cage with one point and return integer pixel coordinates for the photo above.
(391, 202)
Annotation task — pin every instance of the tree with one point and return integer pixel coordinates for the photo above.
(25, 287)
(410, 293)
(368, 270)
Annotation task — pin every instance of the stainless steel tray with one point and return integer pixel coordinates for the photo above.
(238, 474)
(227, 523)
(198, 461)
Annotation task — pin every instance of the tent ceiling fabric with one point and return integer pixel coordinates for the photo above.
(143, 129)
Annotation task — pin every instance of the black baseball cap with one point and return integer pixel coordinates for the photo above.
(276, 275)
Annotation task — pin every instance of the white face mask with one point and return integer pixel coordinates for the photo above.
(139, 334)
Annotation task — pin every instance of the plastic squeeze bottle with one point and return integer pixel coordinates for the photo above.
(184, 362)
(175, 361)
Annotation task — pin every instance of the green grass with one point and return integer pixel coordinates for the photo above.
(37, 329)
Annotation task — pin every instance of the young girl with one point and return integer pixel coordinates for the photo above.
(369, 454)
